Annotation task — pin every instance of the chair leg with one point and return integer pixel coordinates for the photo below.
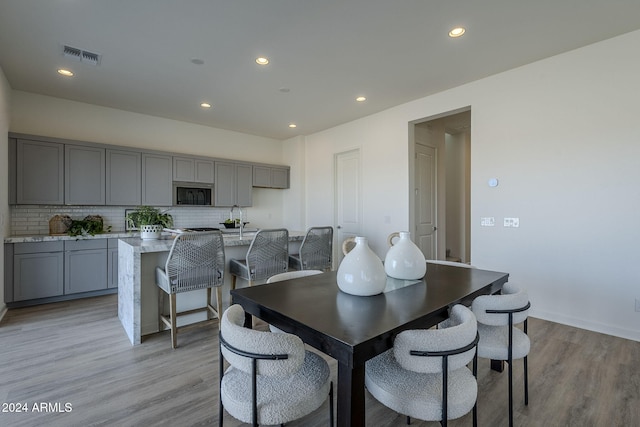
(233, 281)
(160, 309)
(331, 404)
(526, 382)
(172, 310)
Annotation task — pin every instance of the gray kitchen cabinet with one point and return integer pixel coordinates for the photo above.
(84, 182)
(112, 263)
(85, 265)
(157, 179)
(123, 178)
(270, 177)
(38, 270)
(234, 182)
(192, 169)
(39, 173)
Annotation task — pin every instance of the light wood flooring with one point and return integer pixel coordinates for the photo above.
(77, 353)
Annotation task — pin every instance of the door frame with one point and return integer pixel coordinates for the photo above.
(337, 247)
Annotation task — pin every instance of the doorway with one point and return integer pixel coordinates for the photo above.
(348, 198)
(442, 185)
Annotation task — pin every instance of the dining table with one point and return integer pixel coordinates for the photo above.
(353, 329)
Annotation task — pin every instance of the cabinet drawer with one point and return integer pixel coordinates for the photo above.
(37, 247)
(81, 245)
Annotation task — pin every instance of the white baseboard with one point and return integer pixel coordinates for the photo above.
(630, 334)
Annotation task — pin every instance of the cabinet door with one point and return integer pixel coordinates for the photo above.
(85, 270)
(280, 178)
(37, 275)
(204, 171)
(183, 169)
(124, 178)
(39, 173)
(224, 190)
(262, 176)
(84, 175)
(157, 179)
(244, 185)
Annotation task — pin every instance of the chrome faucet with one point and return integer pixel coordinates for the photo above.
(241, 220)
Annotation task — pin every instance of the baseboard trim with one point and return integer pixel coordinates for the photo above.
(630, 334)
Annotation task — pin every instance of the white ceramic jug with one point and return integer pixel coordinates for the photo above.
(405, 260)
(361, 271)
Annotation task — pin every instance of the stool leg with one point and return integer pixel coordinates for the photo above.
(172, 309)
(233, 281)
(208, 304)
(219, 304)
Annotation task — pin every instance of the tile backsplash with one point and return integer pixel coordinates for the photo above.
(29, 220)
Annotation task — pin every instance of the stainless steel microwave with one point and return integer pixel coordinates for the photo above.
(192, 194)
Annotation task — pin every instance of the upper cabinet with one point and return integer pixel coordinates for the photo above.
(233, 184)
(190, 169)
(124, 178)
(84, 182)
(270, 177)
(157, 179)
(39, 172)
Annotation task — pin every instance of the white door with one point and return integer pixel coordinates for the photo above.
(425, 194)
(348, 199)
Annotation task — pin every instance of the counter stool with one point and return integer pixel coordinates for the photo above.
(316, 250)
(196, 261)
(268, 254)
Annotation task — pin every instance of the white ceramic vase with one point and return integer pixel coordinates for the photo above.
(361, 271)
(150, 232)
(405, 260)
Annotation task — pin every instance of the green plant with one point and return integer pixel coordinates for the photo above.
(90, 225)
(148, 215)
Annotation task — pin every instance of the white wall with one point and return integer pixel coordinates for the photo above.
(5, 91)
(561, 135)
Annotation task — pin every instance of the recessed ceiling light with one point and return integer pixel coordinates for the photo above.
(262, 60)
(65, 73)
(293, 125)
(205, 105)
(361, 99)
(457, 32)
(197, 61)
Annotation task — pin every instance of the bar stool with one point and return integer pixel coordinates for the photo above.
(268, 254)
(315, 251)
(195, 261)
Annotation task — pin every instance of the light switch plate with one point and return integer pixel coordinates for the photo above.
(511, 222)
(487, 221)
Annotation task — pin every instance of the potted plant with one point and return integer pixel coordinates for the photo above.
(150, 221)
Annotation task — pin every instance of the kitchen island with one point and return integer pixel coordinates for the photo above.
(138, 293)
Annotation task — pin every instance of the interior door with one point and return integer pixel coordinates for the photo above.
(348, 198)
(425, 194)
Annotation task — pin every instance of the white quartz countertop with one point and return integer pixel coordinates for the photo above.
(133, 239)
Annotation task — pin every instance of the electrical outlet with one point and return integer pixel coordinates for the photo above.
(511, 222)
(637, 304)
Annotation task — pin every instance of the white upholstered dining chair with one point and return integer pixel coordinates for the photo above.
(271, 379)
(425, 374)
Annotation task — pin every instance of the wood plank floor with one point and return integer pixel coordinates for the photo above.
(77, 353)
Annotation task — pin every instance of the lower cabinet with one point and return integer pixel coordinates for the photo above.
(38, 270)
(85, 265)
(54, 271)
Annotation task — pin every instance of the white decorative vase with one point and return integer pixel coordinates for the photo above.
(405, 260)
(361, 271)
(150, 232)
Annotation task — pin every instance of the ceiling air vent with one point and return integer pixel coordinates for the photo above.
(81, 55)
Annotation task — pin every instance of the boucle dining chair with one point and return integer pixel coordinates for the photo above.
(287, 276)
(499, 338)
(268, 254)
(316, 250)
(195, 261)
(271, 379)
(425, 374)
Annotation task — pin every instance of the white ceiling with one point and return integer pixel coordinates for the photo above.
(325, 52)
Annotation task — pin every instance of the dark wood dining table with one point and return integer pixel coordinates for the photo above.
(353, 329)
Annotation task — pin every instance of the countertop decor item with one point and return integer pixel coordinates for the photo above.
(361, 271)
(59, 225)
(405, 260)
(91, 224)
(149, 220)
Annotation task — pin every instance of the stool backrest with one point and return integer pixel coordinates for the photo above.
(268, 253)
